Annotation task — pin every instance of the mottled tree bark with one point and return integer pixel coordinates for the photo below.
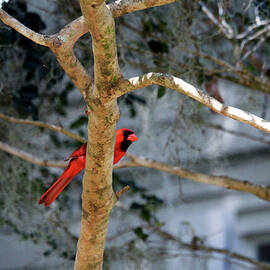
(98, 197)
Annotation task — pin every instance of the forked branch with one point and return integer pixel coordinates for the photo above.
(61, 44)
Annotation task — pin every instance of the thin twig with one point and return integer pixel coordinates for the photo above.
(217, 61)
(121, 192)
(238, 133)
(245, 78)
(224, 27)
(251, 28)
(255, 36)
(196, 246)
(253, 49)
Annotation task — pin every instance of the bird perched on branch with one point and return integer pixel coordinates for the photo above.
(124, 138)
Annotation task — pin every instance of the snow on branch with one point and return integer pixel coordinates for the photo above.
(121, 7)
(185, 88)
(263, 192)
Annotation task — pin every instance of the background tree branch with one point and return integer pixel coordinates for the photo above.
(31, 158)
(52, 127)
(195, 245)
(238, 133)
(243, 77)
(260, 191)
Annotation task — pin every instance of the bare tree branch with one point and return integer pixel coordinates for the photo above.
(121, 192)
(258, 30)
(229, 29)
(217, 61)
(62, 47)
(256, 35)
(61, 44)
(224, 27)
(245, 78)
(251, 28)
(248, 80)
(40, 39)
(195, 246)
(260, 191)
(238, 133)
(183, 87)
(118, 8)
(42, 125)
(253, 49)
(31, 158)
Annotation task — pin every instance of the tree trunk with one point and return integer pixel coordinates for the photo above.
(98, 197)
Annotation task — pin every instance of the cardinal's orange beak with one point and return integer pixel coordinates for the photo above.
(132, 138)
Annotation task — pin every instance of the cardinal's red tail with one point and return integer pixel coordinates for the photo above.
(52, 193)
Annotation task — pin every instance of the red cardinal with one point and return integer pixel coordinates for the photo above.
(124, 138)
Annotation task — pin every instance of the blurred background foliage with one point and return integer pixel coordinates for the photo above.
(178, 39)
